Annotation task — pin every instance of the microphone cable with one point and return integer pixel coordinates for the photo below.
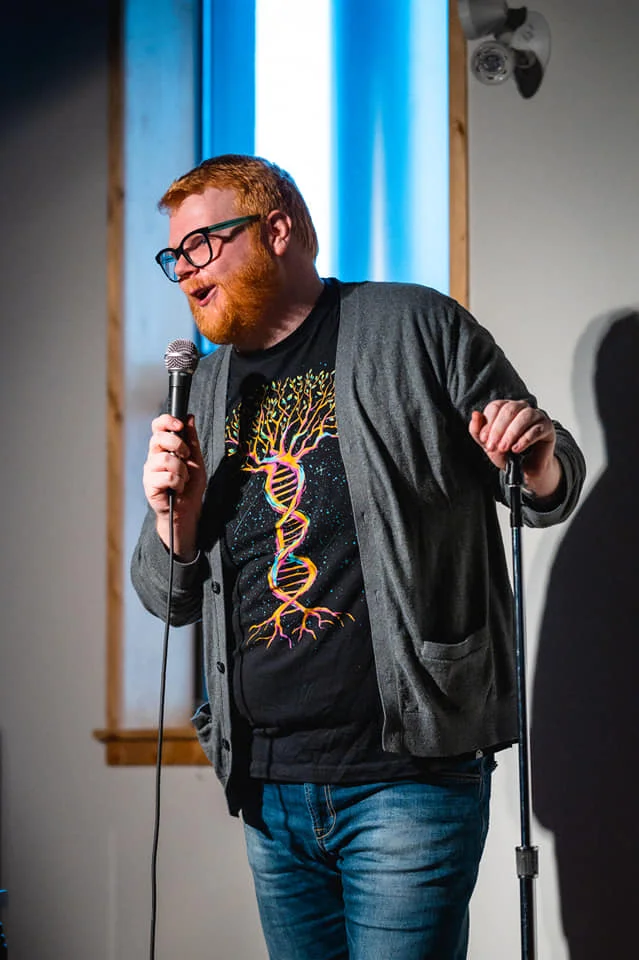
(160, 740)
(181, 359)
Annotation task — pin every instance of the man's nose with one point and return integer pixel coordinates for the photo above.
(183, 268)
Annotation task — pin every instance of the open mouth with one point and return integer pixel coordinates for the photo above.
(204, 295)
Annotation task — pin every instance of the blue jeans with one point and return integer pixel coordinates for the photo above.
(369, 872)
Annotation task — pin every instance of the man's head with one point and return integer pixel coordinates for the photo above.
(258, 217)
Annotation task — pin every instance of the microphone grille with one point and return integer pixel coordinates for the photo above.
(181, 355)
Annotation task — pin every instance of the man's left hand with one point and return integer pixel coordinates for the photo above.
(514, 426)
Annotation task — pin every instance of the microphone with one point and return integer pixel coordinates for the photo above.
(181, 360)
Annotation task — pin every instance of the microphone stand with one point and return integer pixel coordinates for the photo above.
(526, 855)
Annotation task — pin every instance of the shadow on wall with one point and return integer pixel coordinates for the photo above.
(585, 733)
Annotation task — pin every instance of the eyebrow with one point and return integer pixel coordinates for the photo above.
(235, 221)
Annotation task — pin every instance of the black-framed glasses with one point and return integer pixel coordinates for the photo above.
(201, 246)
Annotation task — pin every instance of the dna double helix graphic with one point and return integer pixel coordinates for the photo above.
(292, 418)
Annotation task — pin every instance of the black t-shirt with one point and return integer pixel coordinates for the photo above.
(303, 666)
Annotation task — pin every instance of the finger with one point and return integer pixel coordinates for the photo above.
(511, 416)
(164, 441)
(166, 463)
(528, 427)
(193, 441)
(538, 432)
(490, 414)
(477, 421)
(161, 483)
(166, 423)
(158, 482)
(170, 462)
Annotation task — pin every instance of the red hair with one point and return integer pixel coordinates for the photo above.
(259, 186)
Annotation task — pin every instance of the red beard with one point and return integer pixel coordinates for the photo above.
(246, 297)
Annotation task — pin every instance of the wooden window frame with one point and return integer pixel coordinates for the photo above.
(138, 747)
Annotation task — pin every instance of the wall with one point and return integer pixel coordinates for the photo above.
(554, 234)
(554, 215)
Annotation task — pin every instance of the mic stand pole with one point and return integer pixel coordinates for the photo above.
(526, 855)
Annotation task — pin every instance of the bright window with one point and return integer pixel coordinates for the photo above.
(355, 99)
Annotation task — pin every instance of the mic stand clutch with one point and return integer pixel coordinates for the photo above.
(526, 855)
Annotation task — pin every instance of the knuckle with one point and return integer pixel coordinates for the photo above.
(158, 424)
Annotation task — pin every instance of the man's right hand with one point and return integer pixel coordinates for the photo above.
(175, 464)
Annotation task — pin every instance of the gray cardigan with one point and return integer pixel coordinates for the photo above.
(411, 367)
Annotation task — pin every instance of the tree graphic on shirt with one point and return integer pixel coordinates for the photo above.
(290, 418)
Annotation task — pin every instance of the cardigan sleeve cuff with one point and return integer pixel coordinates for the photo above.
(185, 575)
(551, 510)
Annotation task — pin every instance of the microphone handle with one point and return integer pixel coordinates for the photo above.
(179, 390)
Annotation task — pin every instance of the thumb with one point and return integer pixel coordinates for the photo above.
(192, 439)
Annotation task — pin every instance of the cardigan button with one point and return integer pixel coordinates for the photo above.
(226, 744)
(220, 666)
(215, 586)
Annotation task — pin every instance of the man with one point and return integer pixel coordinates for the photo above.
(336, 532)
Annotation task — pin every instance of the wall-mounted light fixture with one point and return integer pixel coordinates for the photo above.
(520, 44)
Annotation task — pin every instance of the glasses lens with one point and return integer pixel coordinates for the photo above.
(197, 249)
(167, 261)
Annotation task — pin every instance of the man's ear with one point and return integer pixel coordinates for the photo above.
(278, 231)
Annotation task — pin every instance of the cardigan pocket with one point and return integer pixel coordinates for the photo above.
(462, 672)
(203, 723)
